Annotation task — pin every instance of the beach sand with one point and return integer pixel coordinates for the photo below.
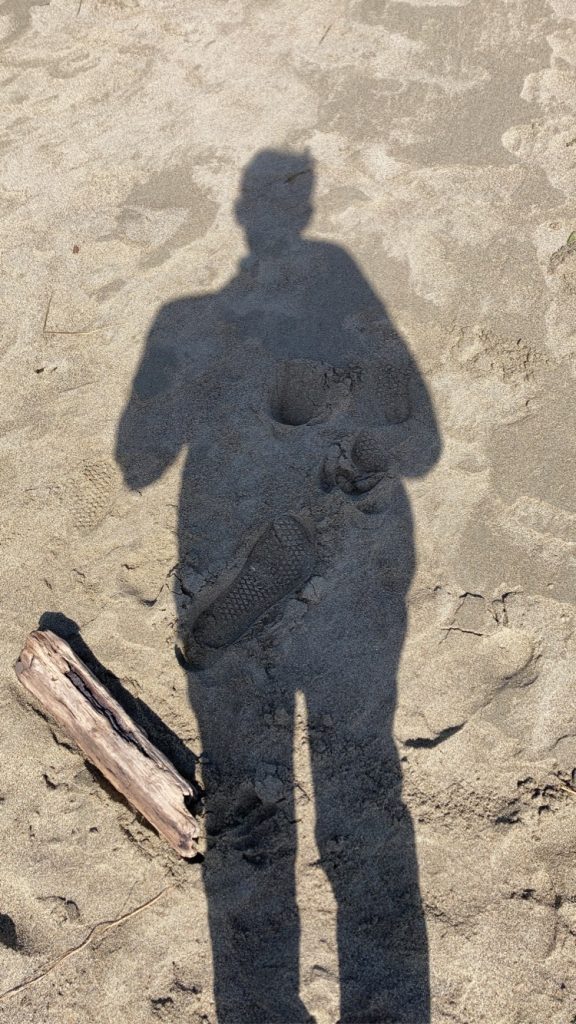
(443, 139)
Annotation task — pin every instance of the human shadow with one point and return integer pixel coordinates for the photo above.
(301, 410)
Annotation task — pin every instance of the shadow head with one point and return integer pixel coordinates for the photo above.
(275, 201)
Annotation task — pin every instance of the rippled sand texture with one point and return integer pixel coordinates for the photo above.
(444, 140)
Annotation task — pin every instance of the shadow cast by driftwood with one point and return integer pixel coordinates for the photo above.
(164, 738)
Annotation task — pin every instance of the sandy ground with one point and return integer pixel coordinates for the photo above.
(443, 140)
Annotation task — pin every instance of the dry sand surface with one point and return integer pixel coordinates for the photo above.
(308, 265)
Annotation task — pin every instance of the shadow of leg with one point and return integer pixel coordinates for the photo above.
(249, 865)
(363, 830)
(366, 844)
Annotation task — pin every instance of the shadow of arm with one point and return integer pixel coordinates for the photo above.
(393, 431)
(151, 432)
(393, 403)
(420, 446)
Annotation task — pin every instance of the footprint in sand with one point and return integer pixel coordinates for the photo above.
(281, 561)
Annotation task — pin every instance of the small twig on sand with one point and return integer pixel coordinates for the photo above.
(93, 330)
(47, 312)
(566, 787)
(323, 37)
(101, 928)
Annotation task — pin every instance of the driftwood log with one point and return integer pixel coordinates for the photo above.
(73, 697)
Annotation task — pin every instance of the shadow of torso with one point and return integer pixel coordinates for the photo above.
(269, 384)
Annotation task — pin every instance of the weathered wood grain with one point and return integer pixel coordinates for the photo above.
(72, 696)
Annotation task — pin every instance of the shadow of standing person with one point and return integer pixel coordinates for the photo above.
(301, 410)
